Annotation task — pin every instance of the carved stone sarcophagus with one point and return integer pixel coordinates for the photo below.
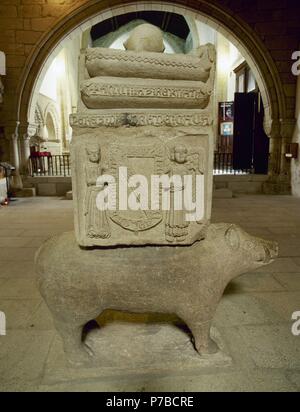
(142, 162)
(143, 116)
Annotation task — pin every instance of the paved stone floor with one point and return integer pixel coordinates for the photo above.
(150, 353)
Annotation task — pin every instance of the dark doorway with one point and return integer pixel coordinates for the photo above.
(250, 143)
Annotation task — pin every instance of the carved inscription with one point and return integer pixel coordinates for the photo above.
(162, 119)
(96, 89)
(141, 119)
(111, 120)
(109, 92)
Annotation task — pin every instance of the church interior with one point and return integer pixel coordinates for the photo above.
(115, 300)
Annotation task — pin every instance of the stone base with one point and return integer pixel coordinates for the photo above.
(49, 185)
(241, 184)
(222, 194)
(69, 195)
(277, 188)
(26, 192)
(123, 349)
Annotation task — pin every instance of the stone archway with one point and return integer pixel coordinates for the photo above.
(52, 116)
(232, 27)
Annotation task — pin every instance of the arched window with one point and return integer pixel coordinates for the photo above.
(51, 133)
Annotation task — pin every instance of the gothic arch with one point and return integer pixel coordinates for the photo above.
(51, 111)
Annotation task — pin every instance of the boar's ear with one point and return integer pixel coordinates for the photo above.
(232, 237)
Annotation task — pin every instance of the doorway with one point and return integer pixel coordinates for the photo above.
(250, 143)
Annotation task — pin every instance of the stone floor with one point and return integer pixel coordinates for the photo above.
(145, 353)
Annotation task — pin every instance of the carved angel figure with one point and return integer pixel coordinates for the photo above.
(96, 220)
(182, 164)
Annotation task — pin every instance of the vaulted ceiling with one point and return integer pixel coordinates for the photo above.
(169, 22)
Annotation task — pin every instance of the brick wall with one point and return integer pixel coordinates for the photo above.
(24, 22)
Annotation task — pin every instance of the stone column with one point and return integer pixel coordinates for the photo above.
(15, 152)
(1, 90)
(295, 163)
(272, 130)
(287, 130)
(25, 154)
(25, 149)
(16, 181)
(280, 133)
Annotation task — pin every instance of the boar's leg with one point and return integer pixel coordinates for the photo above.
(77, 352)
(201, 333)
(203, 342)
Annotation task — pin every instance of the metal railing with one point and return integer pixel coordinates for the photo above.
(223, 165)
(60, 165)
(57, 165)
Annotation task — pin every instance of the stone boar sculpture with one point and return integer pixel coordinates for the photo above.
(189, 281)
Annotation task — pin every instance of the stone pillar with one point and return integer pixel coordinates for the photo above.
(295, 166)
(275, 155)
(280, 133)
(272, 130)
(25, 148)
(15, 152)
(16, 181)
(1, 90)
(25, 154)
(2, 73)
(287, 130)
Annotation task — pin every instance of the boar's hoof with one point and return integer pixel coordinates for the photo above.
(209, 348)
(81, 357)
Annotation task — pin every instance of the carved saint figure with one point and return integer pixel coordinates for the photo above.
(96, 220)
(176, 224)
(182, 163)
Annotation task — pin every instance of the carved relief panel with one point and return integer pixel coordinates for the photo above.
(143, 172)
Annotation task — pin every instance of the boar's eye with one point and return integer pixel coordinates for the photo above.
(232, 237)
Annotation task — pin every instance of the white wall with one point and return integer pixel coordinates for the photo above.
(206, 33)
(49, 86)
(60, 84)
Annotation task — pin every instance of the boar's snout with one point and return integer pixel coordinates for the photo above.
(271, 251)
(257, 250)
(262, 251)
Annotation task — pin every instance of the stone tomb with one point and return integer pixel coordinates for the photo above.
(127, 130)
(150, 114)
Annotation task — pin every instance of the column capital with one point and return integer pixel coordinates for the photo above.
(26, 137)
(31, 131)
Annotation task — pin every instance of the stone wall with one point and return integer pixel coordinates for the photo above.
(49, 186)
(296, 139)
(24, 22)
(240, 184)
